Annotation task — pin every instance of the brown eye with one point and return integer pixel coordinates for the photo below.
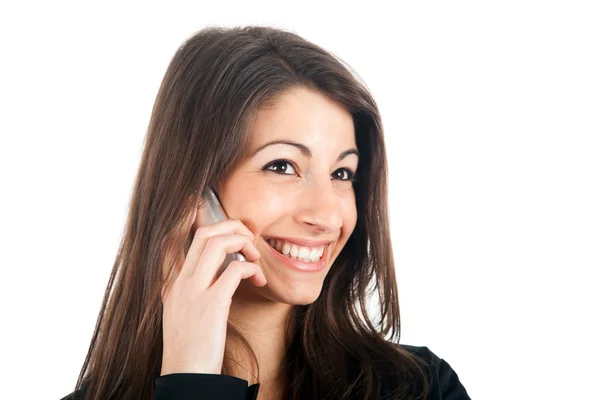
(343, 174)
(282, 167)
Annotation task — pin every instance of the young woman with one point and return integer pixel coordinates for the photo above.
(292, 144)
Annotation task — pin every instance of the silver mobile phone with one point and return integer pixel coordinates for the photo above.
(211, 213)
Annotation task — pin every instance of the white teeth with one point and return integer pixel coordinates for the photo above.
(303, 252)
(297, 252)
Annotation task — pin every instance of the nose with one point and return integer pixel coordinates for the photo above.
(319, 208)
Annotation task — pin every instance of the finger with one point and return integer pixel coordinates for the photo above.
(203, 233)
(204, 217)
(230, 279)
(181, 231)
(214, 254)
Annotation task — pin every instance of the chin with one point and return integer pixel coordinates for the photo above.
(290, 293)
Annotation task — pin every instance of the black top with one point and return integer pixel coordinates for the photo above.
(188, 386)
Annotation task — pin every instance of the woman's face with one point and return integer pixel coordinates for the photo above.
(296, 196)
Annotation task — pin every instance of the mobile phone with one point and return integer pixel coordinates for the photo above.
(213, 212)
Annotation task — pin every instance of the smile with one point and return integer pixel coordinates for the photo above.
(297, 252)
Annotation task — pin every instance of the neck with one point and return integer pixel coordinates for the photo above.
(263, 323)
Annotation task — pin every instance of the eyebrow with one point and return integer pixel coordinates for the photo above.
(303, 149)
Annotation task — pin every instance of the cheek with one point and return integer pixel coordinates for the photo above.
(349, 213)
(257, 207)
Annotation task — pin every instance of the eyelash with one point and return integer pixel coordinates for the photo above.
(350, 174)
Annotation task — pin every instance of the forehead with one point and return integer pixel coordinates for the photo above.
(304, 115)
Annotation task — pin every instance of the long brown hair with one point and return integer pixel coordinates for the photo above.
(213, 87)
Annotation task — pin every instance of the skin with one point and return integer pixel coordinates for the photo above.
(311, 198)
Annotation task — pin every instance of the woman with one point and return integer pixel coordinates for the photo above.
(293, 145)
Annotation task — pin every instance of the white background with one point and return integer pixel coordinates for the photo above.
(491, 113)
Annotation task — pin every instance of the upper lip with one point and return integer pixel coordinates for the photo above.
(302, 242)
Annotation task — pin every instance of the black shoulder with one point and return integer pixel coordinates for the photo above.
(422, 352)
(77, 395)
(445, 384)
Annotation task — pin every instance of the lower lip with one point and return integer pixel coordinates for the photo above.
(298, 264)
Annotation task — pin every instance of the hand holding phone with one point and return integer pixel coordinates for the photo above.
(196, 305)
(212, 212)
